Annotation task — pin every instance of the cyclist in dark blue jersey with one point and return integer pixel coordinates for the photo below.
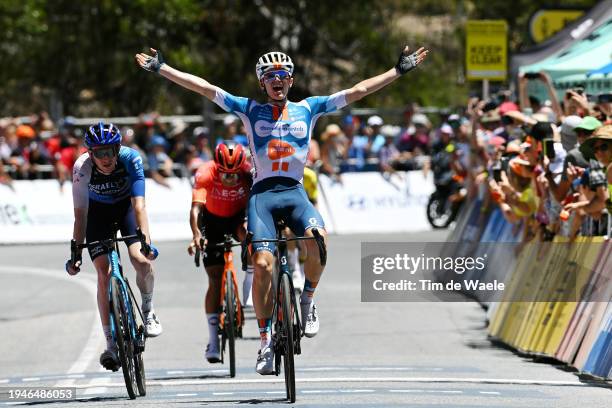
(279, 133)
(108, 187)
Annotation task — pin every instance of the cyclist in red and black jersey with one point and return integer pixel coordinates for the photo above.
(218, 204)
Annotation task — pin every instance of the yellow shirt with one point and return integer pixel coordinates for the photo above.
(310, 184)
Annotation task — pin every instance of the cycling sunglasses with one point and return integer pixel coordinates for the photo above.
(601, 148)
(104, 152)
(270, 75)
(229, 178)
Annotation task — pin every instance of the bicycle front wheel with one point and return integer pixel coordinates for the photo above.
(125, 344)
(230, 321)
(285, 294)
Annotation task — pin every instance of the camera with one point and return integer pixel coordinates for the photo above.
(532, 75)
(549, 148)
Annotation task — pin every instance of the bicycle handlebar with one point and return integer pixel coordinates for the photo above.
(316, 236)
(74, 247)
(226, 245)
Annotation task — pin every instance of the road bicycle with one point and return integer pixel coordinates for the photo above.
(127, 328)
(231, 318)
(287, 328)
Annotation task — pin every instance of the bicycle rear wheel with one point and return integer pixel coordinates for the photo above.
(230, 321)
(286, 336)
(124, 339)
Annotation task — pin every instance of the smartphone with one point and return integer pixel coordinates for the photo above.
(549, 148)
(604, 98)
(532, 75)
(497, 175)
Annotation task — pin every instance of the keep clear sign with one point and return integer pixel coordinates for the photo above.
(487, 49)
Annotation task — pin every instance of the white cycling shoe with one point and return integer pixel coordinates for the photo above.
(265, 361)
(213, 355)
(153, 327)
(310, 319)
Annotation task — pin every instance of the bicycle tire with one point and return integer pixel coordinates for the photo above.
(230, 321)
(125, 344)
(285, 294)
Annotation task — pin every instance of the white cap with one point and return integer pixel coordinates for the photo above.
(178, 126)
(229, 119)
(556, 166)
(420, 119)
(375, 121)
(446, 128)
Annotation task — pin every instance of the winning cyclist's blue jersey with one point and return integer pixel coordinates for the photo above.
(279, 137)
(127, 180)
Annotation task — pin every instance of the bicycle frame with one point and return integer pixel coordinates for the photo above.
(117, 273)
(228, 268)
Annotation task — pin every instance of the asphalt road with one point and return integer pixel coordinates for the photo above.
(366, 354)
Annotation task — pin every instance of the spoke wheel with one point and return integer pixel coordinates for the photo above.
(125, 343)
(230, 322)
(286, 336)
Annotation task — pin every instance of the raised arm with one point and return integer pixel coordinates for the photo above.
(194, 83)
(406, 63)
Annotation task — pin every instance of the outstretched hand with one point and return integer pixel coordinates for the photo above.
(407, 62)
(148, 62)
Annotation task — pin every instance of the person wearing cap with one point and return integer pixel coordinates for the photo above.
(160, 164)
(575, 162)
(515, 192)
(599, 145)
(376, 139)
(358, 145)
(417, 142)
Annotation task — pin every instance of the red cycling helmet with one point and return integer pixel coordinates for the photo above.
(230, 156)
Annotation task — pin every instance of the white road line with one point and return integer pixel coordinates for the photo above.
(318, 391)
(95, 339)
(349, 391)
(275, 392)
(223, 393)
(433, 380)
(175, 372)
(406, 391)
(29, 379)
(97, 385)
(191, 394)
(490, 392)
(4, 381)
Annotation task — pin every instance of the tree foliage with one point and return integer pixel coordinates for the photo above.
(81, 53)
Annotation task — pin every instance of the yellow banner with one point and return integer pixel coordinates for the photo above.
(486, 55)
(545, 23)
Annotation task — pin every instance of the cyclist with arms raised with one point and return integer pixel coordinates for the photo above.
(108, 187)
(218, 204)
(279, 132)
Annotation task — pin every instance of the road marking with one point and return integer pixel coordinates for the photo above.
(275, 392)
(5, 381)
(433, 380)
(175, 372)
(95, 340)
(98, 385)
(192, 394)
(348, 391)
(223, 393)
(318, 391)
(406, 391)
(490, 392)
(27, 379)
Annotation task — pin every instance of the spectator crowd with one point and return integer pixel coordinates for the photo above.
(546, 165)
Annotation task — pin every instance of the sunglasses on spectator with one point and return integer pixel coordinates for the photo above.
(104, 152)
(601, 148)
(281, 74)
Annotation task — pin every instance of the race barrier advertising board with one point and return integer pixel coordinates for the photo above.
(558, 297)
(40, 211)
